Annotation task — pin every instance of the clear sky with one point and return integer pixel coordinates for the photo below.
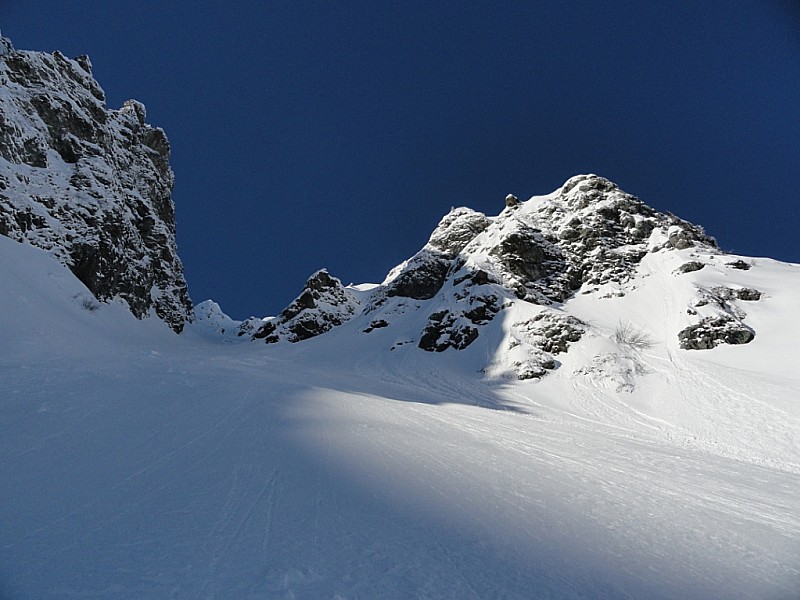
(336, 134)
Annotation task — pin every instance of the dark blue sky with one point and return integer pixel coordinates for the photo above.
(336, 134)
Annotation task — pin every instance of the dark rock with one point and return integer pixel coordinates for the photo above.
(721, 296)
(137, 109)
(324, 303)
(85, 63)
(265, 331)
(689, 267)
(444, 330)
(512, 201)
(739, 264)
(423, 278)
(536, 266)
(482, 313)
(553, 332)
(5, 46)
(377, 324)
(533, 370)
(748, 294)
(712, 331)
(685, 235)
(522, 252)
(477, 277)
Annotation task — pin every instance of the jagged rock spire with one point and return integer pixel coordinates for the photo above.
(5, 45)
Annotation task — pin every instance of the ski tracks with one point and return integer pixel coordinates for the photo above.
(249, 505)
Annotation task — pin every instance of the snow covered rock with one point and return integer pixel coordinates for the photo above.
(323, 304)
(586, 238)
(210, 319)
(422, 276)
(457, 229)
(712, 331)
(5, 45)
(586, 235)
(690, 267)
(90, 185)
(533, 344)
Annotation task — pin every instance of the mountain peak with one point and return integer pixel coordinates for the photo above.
(586, 182)
(518, 274)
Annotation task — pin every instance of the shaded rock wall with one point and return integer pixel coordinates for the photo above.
(90, 185)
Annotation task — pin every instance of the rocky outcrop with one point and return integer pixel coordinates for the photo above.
(690, 267)
(422, 276)
(323, 304)
(90, 185)
(721, 318)
(585, 235)
(713, 331)
(534, 344)
(739, 264)
(447, 330)
(457, 229)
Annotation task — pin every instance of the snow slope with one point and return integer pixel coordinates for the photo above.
(141, 464)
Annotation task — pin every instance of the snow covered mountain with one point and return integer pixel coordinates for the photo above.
(580, 397)
(91, 185)
(525, 269)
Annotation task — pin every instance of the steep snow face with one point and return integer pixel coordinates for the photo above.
(90, 185)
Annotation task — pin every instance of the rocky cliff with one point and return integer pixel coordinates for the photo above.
(89, 184)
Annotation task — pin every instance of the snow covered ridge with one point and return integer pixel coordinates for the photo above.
(90, 185)
(522, 275)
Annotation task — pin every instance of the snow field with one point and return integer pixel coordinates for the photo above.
(140, 464)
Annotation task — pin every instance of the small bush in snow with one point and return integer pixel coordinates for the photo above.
(628, 335)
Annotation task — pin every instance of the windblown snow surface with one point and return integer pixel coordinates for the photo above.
(137, 463)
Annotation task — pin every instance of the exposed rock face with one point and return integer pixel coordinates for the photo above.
(534, 344)
(422, 276)
(689, 267)
(457, 229)
(323, 304)
(90, 185)
(721, 318)
(712, 331)
(446, 330)
(604, 232)
(739, 264)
